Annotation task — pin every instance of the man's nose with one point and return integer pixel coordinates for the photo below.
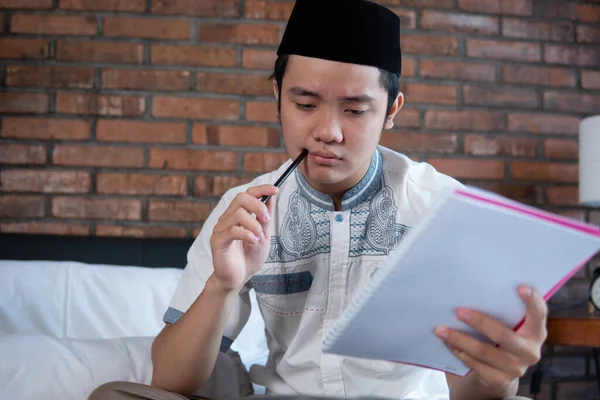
(328, 128)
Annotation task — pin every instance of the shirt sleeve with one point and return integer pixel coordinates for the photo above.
(193, 280)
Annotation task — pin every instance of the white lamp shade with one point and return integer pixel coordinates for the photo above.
(589, 161)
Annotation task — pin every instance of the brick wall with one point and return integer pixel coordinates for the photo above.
(132, 117)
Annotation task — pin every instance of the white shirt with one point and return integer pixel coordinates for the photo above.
(319, 259)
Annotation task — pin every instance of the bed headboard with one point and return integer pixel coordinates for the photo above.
(148, 252)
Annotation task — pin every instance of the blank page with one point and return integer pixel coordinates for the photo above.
(468, 253)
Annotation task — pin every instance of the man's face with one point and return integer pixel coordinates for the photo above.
(337, 111)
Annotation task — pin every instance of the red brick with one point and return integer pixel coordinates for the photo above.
(202, 186)
(240, 84)
(103, 5)
(17, 206)
(500, 96)
(431, 94)
(23, 102)
(45, 228)
(26, 4)
(275, 10)
(148, 28)
(572, 55)
(119, 183)
(453, 22)
(18, 48)
(242, 136)
(196, 108)
(419, 3)
(263, 111)
(543, 123)
(545, 76)
(193, 160)
(198, 8)
(576, 102)
(419, 142)
(89, 208)
(222, 184)
(45, 181)
(193, 55)
(241, 33)
(258, 59)
(263, 162)
(503, 50)
(588, 34)
(140, 231)
(22, 154)
(554, 31)
(561, 149)
(179, 211)
(521, 7)
(545, 171)
(117, 130)
(435, 45)
(408, 18)
(408, 66)
(199, 134)
(469, 169)
(457, 70)
(136, 79)
(45, 128)
(98, 156)
(103, 52)
(588, 12)
(590, 79)
(407, 118)
(41, 24)
(49, 76)
(484, 145)
(463, 120)
(97, 104)
(524, 193)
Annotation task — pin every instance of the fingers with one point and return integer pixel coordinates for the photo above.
(534, 326)
(481, 353)
(250, 201)
(505, 337)
(488, 375)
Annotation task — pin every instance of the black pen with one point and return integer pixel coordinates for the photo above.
(287, 172)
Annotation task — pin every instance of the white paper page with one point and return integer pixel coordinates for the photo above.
(472, 255)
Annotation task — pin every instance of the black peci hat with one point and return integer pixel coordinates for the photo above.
(351, 31)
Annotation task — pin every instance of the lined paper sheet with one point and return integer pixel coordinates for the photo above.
(470, 252)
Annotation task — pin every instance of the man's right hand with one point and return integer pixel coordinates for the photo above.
(240, 241)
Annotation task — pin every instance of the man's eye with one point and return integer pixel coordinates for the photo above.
(357, 112)
(305, 106)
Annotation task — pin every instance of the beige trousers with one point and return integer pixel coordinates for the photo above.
(136, 391)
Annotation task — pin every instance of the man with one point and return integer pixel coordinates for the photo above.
(322, 234)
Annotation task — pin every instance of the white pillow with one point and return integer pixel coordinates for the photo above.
(85, 301)
(37, 367)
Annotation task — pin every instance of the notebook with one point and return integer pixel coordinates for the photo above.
(472, 248)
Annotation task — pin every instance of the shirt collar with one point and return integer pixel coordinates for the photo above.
(354, 196)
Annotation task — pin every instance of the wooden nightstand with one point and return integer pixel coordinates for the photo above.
(576, 328)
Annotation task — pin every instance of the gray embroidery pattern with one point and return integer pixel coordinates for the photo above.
(304, 232)
(373, 226)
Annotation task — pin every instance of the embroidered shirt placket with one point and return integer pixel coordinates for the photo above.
(340, 241)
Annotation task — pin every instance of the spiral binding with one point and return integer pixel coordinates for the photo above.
(403, 250)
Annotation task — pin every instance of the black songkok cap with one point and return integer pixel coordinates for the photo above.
(350, 31)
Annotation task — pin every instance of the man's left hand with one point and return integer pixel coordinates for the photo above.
(498, 366)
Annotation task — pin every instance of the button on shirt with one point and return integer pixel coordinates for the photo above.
(318, 260)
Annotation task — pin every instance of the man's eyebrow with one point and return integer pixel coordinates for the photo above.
(298, 91)
(359, 99)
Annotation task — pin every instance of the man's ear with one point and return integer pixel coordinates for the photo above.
(396, 106)
(276, 90)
